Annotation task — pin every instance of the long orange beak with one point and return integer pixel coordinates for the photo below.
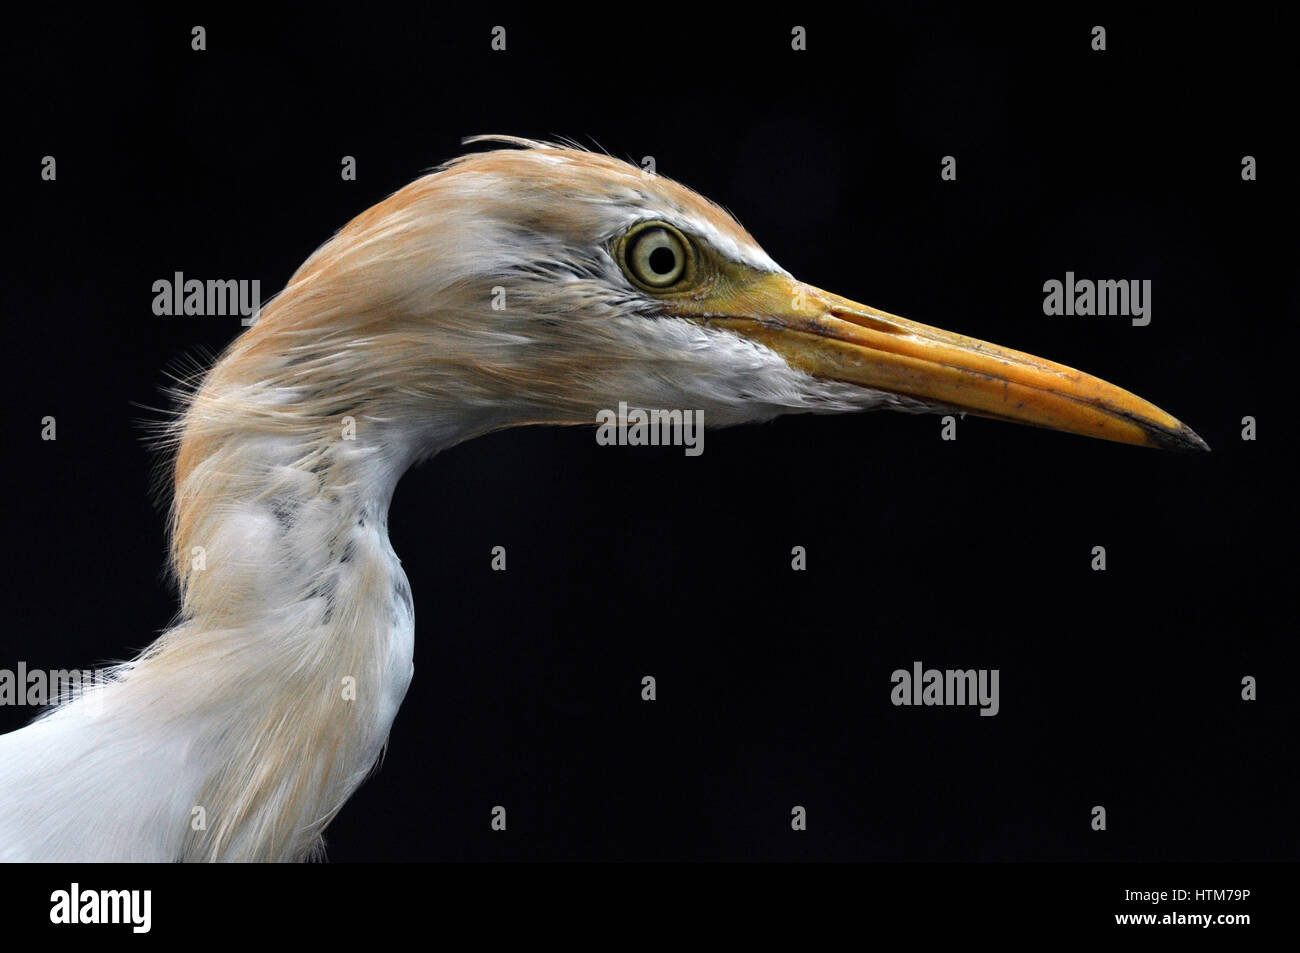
(834, 338)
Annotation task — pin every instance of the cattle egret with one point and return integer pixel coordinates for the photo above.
(531, 283)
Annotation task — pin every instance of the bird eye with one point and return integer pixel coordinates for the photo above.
(656, 256)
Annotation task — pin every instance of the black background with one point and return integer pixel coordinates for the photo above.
(1119, 688)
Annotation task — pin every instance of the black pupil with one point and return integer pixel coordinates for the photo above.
(662, 260)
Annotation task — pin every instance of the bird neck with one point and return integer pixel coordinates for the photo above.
(296, 613)
(243, 729)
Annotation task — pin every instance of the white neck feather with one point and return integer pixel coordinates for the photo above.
(241, 732)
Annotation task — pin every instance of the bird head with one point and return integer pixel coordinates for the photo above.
(541, 283)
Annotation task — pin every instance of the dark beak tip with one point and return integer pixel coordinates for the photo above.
(1184, 440)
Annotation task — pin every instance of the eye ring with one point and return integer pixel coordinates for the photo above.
(656, 256)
